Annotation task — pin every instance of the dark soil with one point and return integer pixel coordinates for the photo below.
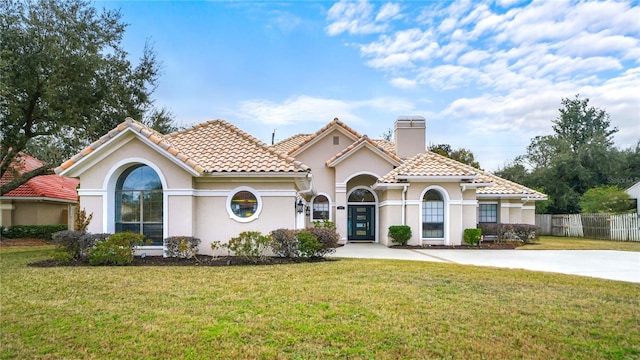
(481, 246)
(202, 260)
(24, 242)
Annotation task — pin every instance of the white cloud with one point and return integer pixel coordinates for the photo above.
(353, 18)
(389, 11)
(403, 83)
(307, 109)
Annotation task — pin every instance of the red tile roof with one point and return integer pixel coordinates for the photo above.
(45, 186)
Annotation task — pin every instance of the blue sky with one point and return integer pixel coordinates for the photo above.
(487, 75)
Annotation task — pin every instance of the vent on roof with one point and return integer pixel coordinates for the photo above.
(336, 140)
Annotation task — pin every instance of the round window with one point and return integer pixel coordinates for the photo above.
(244, 204)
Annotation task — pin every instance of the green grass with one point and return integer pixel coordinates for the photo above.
(357, 309)
(572, 243)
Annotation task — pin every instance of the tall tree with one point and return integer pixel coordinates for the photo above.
(462, 155)
(65, 79)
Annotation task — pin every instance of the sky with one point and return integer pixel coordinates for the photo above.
(486, 75)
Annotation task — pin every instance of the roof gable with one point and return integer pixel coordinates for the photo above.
(220, 147)
(336, 124)
(364, 142)
(211, 147)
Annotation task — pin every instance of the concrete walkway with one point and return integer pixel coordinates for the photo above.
(604, 264)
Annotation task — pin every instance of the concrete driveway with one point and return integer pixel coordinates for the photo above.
(604, 264)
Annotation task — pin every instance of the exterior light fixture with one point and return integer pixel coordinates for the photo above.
(299, 206)
(307, 210)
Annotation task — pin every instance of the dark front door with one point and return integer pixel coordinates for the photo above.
(362, 222)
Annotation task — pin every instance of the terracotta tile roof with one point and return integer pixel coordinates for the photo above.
(429, 164)
(213, 146)
(45, 186)
(505, 187)
(357, 143)
(334, 123)
(218, 146)
(154, 136)
(289, 143)
(432, 164)
(390, 146)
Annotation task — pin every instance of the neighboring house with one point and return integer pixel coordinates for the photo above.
(43, 200)
(213, 181)
(634, 193)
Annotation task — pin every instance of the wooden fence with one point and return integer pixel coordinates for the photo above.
(625, 227)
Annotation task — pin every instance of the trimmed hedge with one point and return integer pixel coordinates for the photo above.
(472, 236)
(526, 233)
(400, 233)
(32, 231)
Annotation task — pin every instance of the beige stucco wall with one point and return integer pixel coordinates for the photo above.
(36, 212)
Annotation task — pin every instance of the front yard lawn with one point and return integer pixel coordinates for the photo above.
(572, 243)
(350, 308)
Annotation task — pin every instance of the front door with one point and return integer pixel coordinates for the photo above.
(361, 225)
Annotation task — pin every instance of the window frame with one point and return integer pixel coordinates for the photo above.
(480, 212)
(233, 215)
(313, 204)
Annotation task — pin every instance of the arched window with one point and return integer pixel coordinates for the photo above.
(320, 208)
(361, 195)
(139, 203)
(432, 215)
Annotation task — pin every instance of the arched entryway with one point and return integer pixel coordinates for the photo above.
(361, 215)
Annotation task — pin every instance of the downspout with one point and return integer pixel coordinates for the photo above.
(404, 192)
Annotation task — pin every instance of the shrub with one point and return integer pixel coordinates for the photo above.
(324, 224)
(308, 244)
(327, 237)
(81, 220)
(32, 231)
(182, 246)
(117, 249)
(512, 232)
(76, 244)
(250, 245)
(218, 245)
(472, 236)
(400, 233)
(284, 242)
(526, 233)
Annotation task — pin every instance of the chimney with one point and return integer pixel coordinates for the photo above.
(410, 136)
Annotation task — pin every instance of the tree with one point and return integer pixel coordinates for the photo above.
(606, 199)
(462, 155)
(65, 78)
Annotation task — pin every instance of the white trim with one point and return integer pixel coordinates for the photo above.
(225, 193)
(359, 173)
(331, 205)
(371, 147)
(529, 207)
(109, 199)
(92, 192)
(390, 203)
(376, 230)
(510, 205)
(446, 200)
(235, 217)
(464, 202)
(322, 136)
(7, 206)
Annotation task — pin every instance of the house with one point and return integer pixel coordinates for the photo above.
(213, 181)
(634, 193)
(43, 200)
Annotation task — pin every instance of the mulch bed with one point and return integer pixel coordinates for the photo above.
(203, 260)
(24, 242)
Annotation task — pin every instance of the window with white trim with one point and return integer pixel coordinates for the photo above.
(139, 203)
(244, 204)
(432, 215)
(488, 213)
(320, 208)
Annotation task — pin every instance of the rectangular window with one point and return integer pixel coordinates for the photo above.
(433, 219)
(488, 213)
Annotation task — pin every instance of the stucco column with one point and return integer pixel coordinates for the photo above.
(341, 211)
